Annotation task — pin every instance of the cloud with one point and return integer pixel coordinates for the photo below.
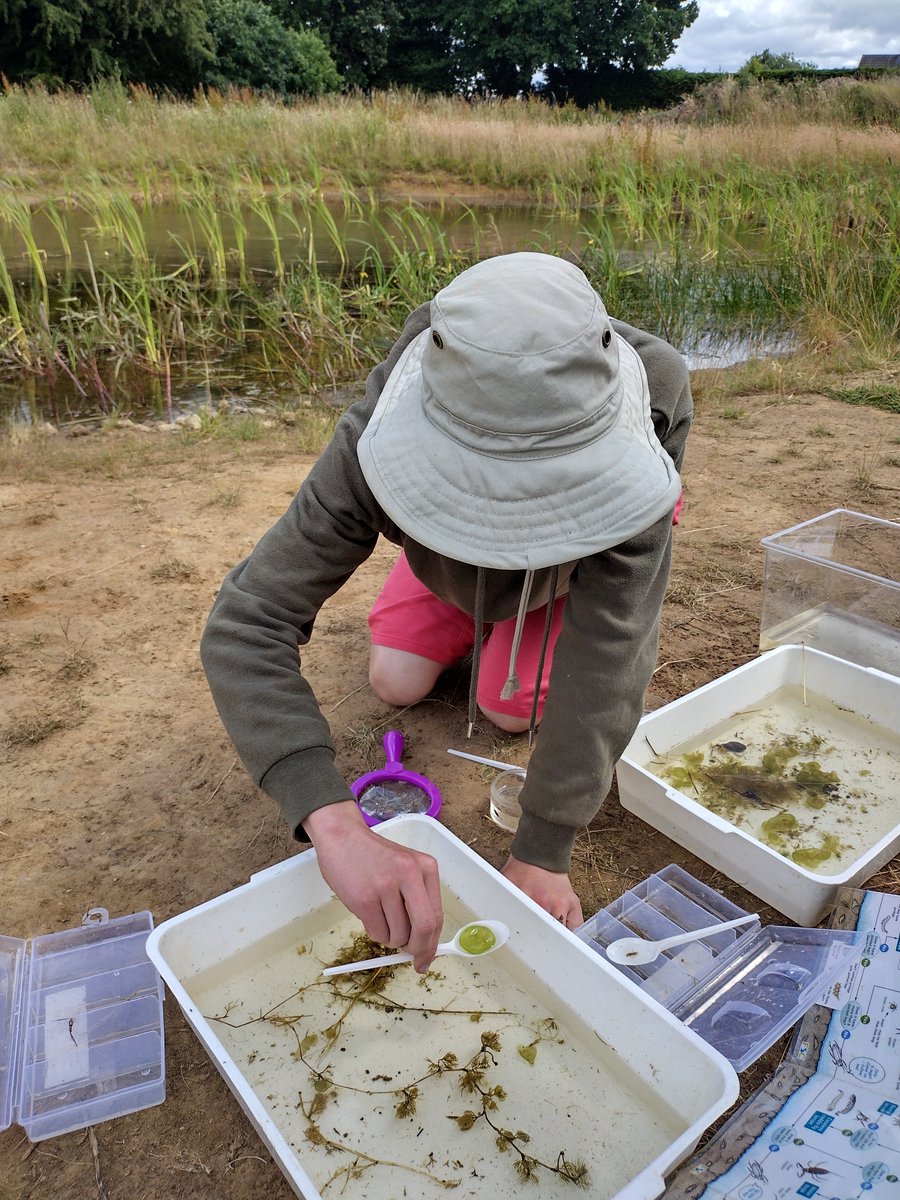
(830, 33)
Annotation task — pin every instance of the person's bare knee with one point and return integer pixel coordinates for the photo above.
(506, 721)
(400, 677)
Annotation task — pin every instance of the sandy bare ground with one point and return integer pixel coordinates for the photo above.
(121, 789)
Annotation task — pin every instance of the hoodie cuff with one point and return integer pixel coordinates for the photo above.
(304, 782)
(544, 844)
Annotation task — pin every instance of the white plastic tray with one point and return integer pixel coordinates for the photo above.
(670, 1082)
(870, 697)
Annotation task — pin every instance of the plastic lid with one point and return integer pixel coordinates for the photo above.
(762, 987)
(81, 1026)
(12, 957)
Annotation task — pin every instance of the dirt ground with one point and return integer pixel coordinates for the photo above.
(122, 790)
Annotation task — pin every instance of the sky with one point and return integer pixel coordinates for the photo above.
(829, 33)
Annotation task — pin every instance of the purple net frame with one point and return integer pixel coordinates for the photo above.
(393, 772)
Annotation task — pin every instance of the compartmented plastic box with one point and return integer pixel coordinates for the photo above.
(740, 989)
(833, 584)
(797, 757)
(588, 1063)
(81, 1026)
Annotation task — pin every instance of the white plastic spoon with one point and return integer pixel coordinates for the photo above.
(635, 951)
(484, 937)
(486, 762)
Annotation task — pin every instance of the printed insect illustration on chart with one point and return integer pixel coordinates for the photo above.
(837, 1056)
(814, 1170)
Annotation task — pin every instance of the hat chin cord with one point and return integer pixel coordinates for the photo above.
(545, 641)
(476, 649)
(512, 684)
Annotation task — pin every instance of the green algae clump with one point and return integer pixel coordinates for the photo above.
(813, 856)
(477, 939)
(777, 828)
(818, 785)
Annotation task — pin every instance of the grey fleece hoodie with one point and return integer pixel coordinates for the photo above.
(603, 661)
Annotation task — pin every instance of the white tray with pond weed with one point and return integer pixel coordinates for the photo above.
(538, 1064)
(784, 774)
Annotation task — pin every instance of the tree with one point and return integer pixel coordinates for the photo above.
(163, 43)
(502, 47)
(499, 47)
(355, 32)
(254, 49)
(767, 61)
(420, 52)
(631, 35)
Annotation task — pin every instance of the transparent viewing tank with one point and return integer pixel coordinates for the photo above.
(833, 584)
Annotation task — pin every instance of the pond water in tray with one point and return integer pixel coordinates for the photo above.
(471, 1077)
(814, 782)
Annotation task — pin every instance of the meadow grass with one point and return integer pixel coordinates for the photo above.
(54, 141)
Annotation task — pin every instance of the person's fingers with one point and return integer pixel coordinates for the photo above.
(432, 879)
(395, 891)
(405, 906)
(570, 917)
(422, 897)
(374, 921)
(396, 918)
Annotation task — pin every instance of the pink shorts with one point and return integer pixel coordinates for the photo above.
(406, 616)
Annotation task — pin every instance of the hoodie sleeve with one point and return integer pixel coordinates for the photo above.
(268, 604)
(606, 652)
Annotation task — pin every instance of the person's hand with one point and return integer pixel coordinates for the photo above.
(550, 889)
(394, 891)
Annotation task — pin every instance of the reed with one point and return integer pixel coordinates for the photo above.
(682, 225)
(324, 327)
(16, 341)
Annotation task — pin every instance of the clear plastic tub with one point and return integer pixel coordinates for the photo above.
(833, 584)
(505, 810)
(740, 990)
(81, 1026)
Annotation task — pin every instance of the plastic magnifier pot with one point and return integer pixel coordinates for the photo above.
(635, 951)
(393, 790)
(474, 940)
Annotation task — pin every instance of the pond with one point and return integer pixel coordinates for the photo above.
(719, 305)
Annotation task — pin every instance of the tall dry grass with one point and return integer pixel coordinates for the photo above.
(51, 141)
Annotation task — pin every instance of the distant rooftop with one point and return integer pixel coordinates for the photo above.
(876, 61)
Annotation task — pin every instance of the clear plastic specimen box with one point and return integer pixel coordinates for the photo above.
(81, 1026)
(833, 584)
(739, 989)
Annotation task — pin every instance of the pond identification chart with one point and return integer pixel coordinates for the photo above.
(827, 1123)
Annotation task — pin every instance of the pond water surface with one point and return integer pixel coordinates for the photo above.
(716, 309)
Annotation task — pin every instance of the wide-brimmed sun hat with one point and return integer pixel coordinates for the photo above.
(516, 432)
